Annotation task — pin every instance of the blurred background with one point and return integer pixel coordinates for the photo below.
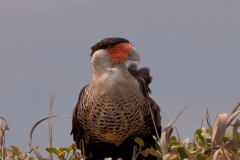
(191, 47)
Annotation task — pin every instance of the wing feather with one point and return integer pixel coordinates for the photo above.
(143, 78)
(76, 128)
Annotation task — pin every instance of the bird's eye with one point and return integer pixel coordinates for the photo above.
(110, 46)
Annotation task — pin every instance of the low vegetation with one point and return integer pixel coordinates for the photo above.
(218, 141)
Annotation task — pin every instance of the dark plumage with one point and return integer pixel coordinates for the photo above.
(142, 75)
(113, 109)
(106, 43)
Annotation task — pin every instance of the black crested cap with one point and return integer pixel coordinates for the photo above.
(107, 41)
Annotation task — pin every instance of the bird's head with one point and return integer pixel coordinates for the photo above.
(110, 52)
(109, 70)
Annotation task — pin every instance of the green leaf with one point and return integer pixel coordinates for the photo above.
(139, 141)
(66, 149)
(182, 152)
(62, 149)
(176, 144)
(191, 147)
(197, 149)
(230, 134)
(53, 150)
(173, 139)
(72, 157)
(199, 134)
(31, 158)
(16, 150)
(157, 145)
(200, 156)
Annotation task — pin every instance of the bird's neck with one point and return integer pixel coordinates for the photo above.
(115, 79)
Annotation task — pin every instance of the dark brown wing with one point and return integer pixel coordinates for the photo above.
(76, 128)
(143, 77)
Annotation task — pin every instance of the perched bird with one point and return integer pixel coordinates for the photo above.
(115, 108)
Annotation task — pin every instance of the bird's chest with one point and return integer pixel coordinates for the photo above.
(112, 118)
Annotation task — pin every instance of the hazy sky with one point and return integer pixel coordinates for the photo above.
(191, 47)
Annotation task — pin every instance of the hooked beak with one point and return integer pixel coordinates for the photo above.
(133, 55)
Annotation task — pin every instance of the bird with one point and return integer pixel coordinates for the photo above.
(115, 107)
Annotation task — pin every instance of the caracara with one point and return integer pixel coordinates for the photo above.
(115, 107)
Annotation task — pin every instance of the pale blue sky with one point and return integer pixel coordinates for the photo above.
(191, 47)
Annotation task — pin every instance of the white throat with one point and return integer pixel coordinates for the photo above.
(110, 77)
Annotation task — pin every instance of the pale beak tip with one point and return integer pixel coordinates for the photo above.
(133, 55)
